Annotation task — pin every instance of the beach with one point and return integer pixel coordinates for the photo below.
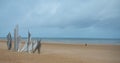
(63, 53)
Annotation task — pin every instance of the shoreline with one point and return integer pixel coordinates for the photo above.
(55, 42)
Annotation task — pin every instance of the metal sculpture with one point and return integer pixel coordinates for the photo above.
(9, 41)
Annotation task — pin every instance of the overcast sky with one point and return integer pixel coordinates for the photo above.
(61, 18)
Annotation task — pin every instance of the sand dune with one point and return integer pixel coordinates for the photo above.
(63, 53)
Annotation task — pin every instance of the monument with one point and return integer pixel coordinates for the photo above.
(28, 46)
(9, 41)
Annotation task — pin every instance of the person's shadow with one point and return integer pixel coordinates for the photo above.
(38, 47)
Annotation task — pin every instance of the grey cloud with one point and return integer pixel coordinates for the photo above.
(66, 15)
(85, 16)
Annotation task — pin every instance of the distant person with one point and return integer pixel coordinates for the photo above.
(38, 46)
(85, 44)
(9, 41)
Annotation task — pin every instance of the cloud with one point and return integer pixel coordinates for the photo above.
(69, 12)
(85, 17)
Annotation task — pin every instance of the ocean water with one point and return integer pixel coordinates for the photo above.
(79, 40)
(76, 40)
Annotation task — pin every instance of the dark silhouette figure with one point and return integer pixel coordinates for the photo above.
(9, 41)
(85, 44)
(29, 36)
(38, 46)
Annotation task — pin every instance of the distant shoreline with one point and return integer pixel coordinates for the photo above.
(65, 38)
(76, 41)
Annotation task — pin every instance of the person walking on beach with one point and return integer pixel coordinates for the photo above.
(9, 41)
(38, 46)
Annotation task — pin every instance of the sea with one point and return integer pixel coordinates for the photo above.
(79, 40)
(76, 40)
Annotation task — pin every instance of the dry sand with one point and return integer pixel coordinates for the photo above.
(63, 53)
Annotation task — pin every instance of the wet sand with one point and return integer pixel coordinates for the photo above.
(63, 53)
